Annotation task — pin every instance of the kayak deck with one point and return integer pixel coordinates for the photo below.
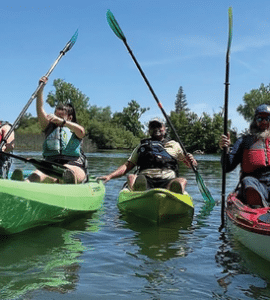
(156, 205)
(251, 226)
(24, 205)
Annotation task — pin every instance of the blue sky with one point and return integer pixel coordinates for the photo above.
(177, 43)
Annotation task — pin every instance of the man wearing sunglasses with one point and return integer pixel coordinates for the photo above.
(252, 152)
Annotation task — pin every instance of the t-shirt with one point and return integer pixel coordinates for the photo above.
(173, 148)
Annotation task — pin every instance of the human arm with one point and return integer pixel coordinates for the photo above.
(43, 118)
(78, 130)
(234, 155)
(122, 170)
(9, 145)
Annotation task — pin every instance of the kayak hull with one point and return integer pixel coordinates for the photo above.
(156, 205)
(250, 226)
(25, 205)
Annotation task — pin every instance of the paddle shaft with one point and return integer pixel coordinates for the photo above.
(226, 100)
(48, 168)
(156, 98)
(62, 53)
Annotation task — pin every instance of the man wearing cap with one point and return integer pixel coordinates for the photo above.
(252, 152)
(157, 161)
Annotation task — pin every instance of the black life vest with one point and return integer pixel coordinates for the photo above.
(152, 155)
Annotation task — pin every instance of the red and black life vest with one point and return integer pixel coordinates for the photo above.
(152, 155)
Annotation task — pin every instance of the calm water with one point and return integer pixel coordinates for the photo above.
(107, 256)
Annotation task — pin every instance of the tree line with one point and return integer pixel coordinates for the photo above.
(124, 130)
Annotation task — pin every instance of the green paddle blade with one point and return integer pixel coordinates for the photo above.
(72, 41)
(230, 27)
(203, 189)
(114, 25)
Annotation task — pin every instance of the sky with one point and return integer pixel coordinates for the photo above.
(176, 42)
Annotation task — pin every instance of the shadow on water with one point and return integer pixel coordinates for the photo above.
(43, 258)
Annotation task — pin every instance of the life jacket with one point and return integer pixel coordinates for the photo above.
(60, 141)
(152, 154)
(256, 154)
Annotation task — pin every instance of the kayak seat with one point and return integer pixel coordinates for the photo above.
(265, 218)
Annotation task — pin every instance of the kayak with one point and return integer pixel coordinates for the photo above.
(251, 226)
(156, 205)
(25, 205)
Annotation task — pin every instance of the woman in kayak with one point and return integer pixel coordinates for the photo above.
(252, 152)
(5, 161)
(63, 136)
(156, 159)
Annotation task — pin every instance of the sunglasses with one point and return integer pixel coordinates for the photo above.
(260, 118)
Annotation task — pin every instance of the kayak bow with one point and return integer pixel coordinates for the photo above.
(155, 205)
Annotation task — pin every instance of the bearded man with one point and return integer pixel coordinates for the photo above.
(252, 152)
(157, 161)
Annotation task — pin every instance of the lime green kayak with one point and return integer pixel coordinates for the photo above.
(25, 205)
(156, 205)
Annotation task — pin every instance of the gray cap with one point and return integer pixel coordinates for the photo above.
(156, 120)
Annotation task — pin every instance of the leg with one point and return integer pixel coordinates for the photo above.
(137, 183)
(253, 191)
(177, 185)
(130, 180)
(78, 173)
(38, 176)
(253, 197)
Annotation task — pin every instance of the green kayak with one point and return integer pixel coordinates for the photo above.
(156, 205)
(25, 205)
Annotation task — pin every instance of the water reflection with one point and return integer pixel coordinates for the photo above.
(238, 264)
(48, 258)
(160, 242)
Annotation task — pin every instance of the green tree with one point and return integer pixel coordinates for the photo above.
(181, 102)
(65, 92)
(129, 118)
(253, 99)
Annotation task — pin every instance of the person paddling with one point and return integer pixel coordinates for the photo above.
(5, 161)
(252, 152)
(63, 137)
(157, 161)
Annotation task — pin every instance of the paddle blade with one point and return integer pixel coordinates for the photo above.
(114, 25)
(230, 28)
(203, 189)
(71, 43)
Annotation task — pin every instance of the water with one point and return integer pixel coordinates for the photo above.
(109, 256)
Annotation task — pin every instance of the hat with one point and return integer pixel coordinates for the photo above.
(262, 109)
(157, 120)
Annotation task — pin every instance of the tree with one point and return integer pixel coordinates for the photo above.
(181, 102)
(253, 99)
(129, 118)
(66, 92)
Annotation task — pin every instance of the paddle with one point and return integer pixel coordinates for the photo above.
(68, 46)
(49, 168)
(226, 97)
(117, 30)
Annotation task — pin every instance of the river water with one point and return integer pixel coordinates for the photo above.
(109, 256)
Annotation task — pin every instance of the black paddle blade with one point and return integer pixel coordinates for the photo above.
(203, 189)
(48, 168)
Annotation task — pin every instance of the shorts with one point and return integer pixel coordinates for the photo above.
(74, 161)
(157, 182)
